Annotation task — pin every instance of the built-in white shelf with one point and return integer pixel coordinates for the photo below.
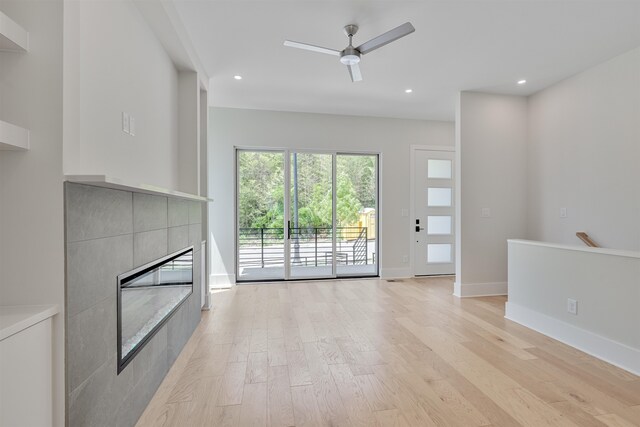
(13, 37)
(13, 137)
(119, 184)
(16, 318)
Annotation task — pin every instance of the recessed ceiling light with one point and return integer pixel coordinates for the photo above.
(521, 82)
(237, 77)
(408, 90)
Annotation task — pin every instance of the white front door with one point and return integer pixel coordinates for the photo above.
(434, 226)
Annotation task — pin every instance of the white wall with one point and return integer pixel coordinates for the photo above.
(605, 284)
(584, 155)
(188, 132)
(252, 128)
(491, 142)
(113, 63)
(31, 191)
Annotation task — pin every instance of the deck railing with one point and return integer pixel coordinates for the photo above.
(310, 246)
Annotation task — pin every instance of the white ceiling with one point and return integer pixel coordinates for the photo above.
(471, 45)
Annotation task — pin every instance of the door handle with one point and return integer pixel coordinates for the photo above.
(288, 230)
(418, 228)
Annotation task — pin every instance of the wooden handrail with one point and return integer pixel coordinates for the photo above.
(586, 239)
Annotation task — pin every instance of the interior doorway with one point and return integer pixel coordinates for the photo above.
(433, 213)
(306, 215)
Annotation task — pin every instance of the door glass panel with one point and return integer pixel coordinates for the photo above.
(439, 168)
(439, 253)
(439, 225)
(260, 215)
(356, 200)
(438, 196)
(311, 213)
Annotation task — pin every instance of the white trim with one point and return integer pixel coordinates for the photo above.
(286, 217)
(379, 218)
(13, 137)
(395, 273)
(620, 355)
(465, 290)
(114, 183)
(412, 186)
(17, 318)
(603, 251)
(236, 220)
(415, 147)
(334, 215)
(13, 38)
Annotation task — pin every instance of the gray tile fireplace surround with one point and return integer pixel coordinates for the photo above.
(109, 232)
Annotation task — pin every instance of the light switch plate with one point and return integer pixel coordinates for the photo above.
(563, 212)
(125, 122)
(485, 213)
(132, 126)
(404, 212)
(572, 306)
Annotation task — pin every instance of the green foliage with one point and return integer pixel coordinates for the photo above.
(347, 203)
(261, 189)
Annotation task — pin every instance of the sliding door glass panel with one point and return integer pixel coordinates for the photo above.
(260, 205)
(356, 215)
(311, 215)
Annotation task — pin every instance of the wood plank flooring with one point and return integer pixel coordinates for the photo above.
(378, 353)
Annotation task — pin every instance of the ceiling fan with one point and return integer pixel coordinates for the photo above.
(350, 56)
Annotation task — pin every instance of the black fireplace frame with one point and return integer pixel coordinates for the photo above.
(131, 275)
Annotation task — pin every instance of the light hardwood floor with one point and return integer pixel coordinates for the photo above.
(378, 353)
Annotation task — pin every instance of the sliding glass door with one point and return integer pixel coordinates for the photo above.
(356, 214)
(260, 201)
(311, 237)
(306, 215)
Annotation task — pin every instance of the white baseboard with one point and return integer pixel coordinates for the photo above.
(620, 355)
(395, 273)
(465, 290)
(221, 280)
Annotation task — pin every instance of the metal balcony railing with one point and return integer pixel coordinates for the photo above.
(310, 246)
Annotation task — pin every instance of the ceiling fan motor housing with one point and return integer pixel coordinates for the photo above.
(350, 30)
(350, 56)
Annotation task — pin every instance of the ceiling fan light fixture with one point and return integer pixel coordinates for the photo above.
(350, 59)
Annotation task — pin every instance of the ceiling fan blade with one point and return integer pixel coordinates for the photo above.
(311, 47)
(354, 72)
(386, 38)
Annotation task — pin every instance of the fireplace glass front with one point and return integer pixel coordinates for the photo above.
(147, 297)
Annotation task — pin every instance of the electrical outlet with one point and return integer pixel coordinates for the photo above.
(125, 122)
(563, 212)
(132, 126)
(572, 306)
(405, 258)
(485, 212)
